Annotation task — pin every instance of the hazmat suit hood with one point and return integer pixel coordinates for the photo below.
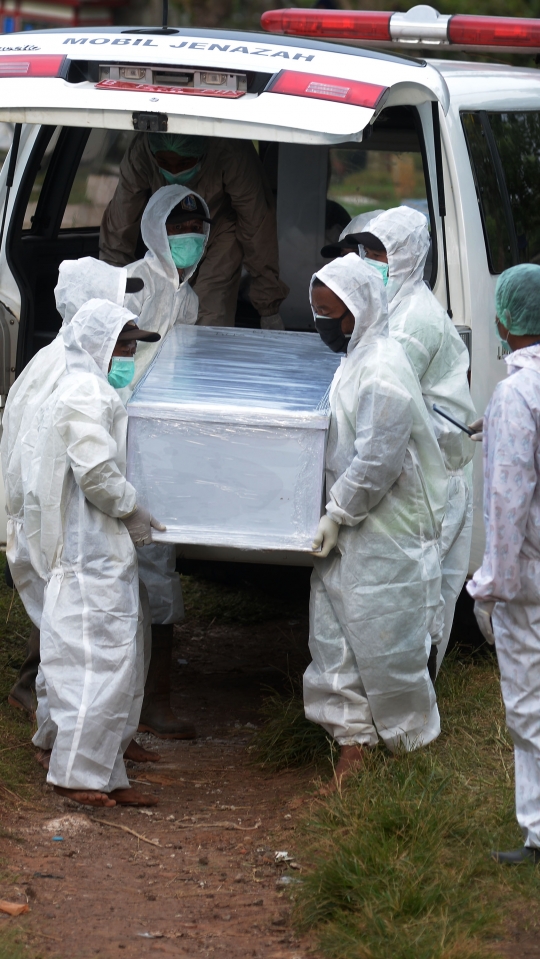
(363, 293)
(405, 236)
(154, 233)
(81, 280)
(91, 336)
(359, 224)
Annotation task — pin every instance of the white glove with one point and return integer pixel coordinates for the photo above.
(140, 524)
(272, 322)
(326, 536)
(478, 426)
(482, 612)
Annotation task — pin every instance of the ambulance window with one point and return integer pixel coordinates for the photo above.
(517, 138)
(504, 149)
(96, 178)
(363, 179)
(40, 179)
(385, 170)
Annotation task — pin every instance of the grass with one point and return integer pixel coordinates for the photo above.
(13, 945)
(16, 762)
(398, 865)
(286, 738)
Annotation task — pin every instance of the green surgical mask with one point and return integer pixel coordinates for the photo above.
(183, 177)
(381, 267)
(186, 249)
(121, 372)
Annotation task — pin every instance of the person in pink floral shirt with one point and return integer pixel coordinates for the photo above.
(506, 588)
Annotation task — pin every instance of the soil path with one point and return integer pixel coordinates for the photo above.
(209, 883)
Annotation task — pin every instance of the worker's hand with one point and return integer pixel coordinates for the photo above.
(272, 322)
(140, 524)
(482, 612)
(478, 427)
(326, 536)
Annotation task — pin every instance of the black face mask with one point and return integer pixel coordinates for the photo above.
(329, 330)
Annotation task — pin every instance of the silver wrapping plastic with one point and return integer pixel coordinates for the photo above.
(227, 437)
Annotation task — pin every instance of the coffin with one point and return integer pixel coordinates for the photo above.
(227, 437)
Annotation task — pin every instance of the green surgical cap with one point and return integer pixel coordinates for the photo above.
(180, 143)
(517, 299)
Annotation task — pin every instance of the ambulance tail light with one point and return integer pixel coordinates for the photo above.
(317, 87)
(35, 65)
(369, 25)
(467, 30)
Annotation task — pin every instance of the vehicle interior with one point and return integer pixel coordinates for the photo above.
(72, 174)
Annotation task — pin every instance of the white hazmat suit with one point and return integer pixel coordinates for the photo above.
(374, 598)
(164, 301)
(78, 281)
(441, 360)
(75, 495)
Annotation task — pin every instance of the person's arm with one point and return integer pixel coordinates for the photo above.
(245, 182)
(84, 420)
(509, 447)
(383, 427)
(121, 221)
(188, 307)
(419, 333)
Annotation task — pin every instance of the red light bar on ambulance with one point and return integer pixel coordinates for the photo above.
(32, 65)
(421, 26)
(312, 85)
(329, 23)
(494, 31)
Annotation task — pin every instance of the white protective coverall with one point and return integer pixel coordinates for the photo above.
(163, 302)
(78, 281)
(441, 360)
(165, 299)
(373, 599)
(510, 571)
(75, 494)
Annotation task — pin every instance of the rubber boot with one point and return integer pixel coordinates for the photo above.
(157, 716)
(22, 695)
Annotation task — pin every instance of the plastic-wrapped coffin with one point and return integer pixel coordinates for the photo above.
(227, 436)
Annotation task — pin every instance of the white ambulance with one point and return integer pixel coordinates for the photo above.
(342, 127)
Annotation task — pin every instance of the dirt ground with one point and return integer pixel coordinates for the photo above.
(207, 883)
(201, 878)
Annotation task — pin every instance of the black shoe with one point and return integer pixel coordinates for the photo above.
(22, 696)
(517, 856)
(432, 664)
